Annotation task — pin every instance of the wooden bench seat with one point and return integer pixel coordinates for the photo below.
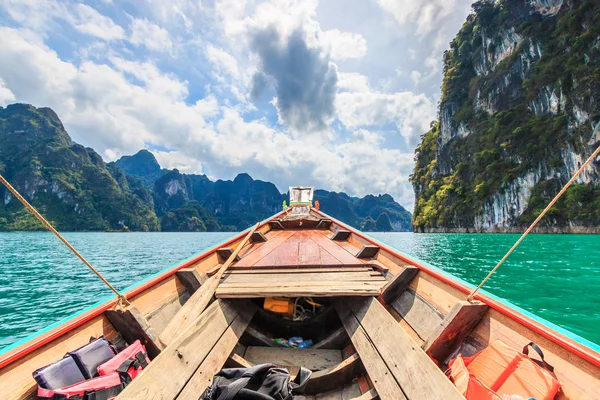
(184, 368)
(388, 352)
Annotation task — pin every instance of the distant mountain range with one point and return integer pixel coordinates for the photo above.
(77, 191)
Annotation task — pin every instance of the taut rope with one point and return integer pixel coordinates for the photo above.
(548, 207)
(121, 298)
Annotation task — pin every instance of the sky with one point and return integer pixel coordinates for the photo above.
(333, 93)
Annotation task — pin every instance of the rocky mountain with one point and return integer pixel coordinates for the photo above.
(68, 183)
(76, 190)
(239, 203)
(519, 114)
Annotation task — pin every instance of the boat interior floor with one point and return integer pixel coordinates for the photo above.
(360, 353)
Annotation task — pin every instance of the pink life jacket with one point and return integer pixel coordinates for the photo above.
(102, 387)
(115, 374)
(129, 362)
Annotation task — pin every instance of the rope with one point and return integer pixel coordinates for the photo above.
(548, 207)
(121, 298)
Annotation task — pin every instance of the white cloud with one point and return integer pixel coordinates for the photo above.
(344, 44)
(362, 106)
(6, 95)
(41, 16)
(223, 61)
(415, 76)
(150, 35)
(104, 110)
(426, 14)
(89, 21)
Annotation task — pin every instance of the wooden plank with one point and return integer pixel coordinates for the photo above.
(336, 340)
(190, 311)
(233, 270)
(191, 278)
(309, 252)
(237, 361)
(285, 253)
(258, 237)
(341, 235)
(299, 282)
(313, 359)
(132, 325)
(196, 304)
(255, 256)
(309, 276)
(334, 249)
(370, 395)
(423, 317)
(335, 377)
(180, 359)
(412, 368)
(213, 363)
(453, 330)
(386, 386)
(324, 223)
(224, 253)
(275, 224)
(367, 251)
(398, 284)
(224, 293)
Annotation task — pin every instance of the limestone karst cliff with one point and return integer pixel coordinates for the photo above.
(519, 113)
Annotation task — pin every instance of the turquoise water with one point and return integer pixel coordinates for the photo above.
(553, 276)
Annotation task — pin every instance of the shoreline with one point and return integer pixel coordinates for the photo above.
(591, 230)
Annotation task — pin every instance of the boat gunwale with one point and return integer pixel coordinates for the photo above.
(504, 307)
(64, 326)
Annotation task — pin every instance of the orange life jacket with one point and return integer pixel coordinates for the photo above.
(499, 369)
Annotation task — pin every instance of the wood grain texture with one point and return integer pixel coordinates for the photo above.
(420, 314)
(335, 377)
(196, 304)
(367, 251)
(255, 256)
(453, 330)
(382, 378)
(313, 359)
(191, 278)
(299, 289)
(325, 268)
(306, 277)
(340, 235)
(237, 361)
(411, 367)
(132, 325)
(398, 284)
(191, 310)
(181, 358)
(213, 363)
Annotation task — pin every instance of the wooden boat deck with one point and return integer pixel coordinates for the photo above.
(295, 263)
(397, 367)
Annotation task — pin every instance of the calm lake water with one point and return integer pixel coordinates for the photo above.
(553, 276)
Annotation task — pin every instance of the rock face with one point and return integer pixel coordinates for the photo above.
(519, 114)
(68, 183)
(73, 187)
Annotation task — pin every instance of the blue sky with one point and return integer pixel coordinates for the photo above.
(332, 94)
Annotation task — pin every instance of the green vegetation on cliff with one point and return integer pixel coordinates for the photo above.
(76, 191)
(70, 184)
(518, 110)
